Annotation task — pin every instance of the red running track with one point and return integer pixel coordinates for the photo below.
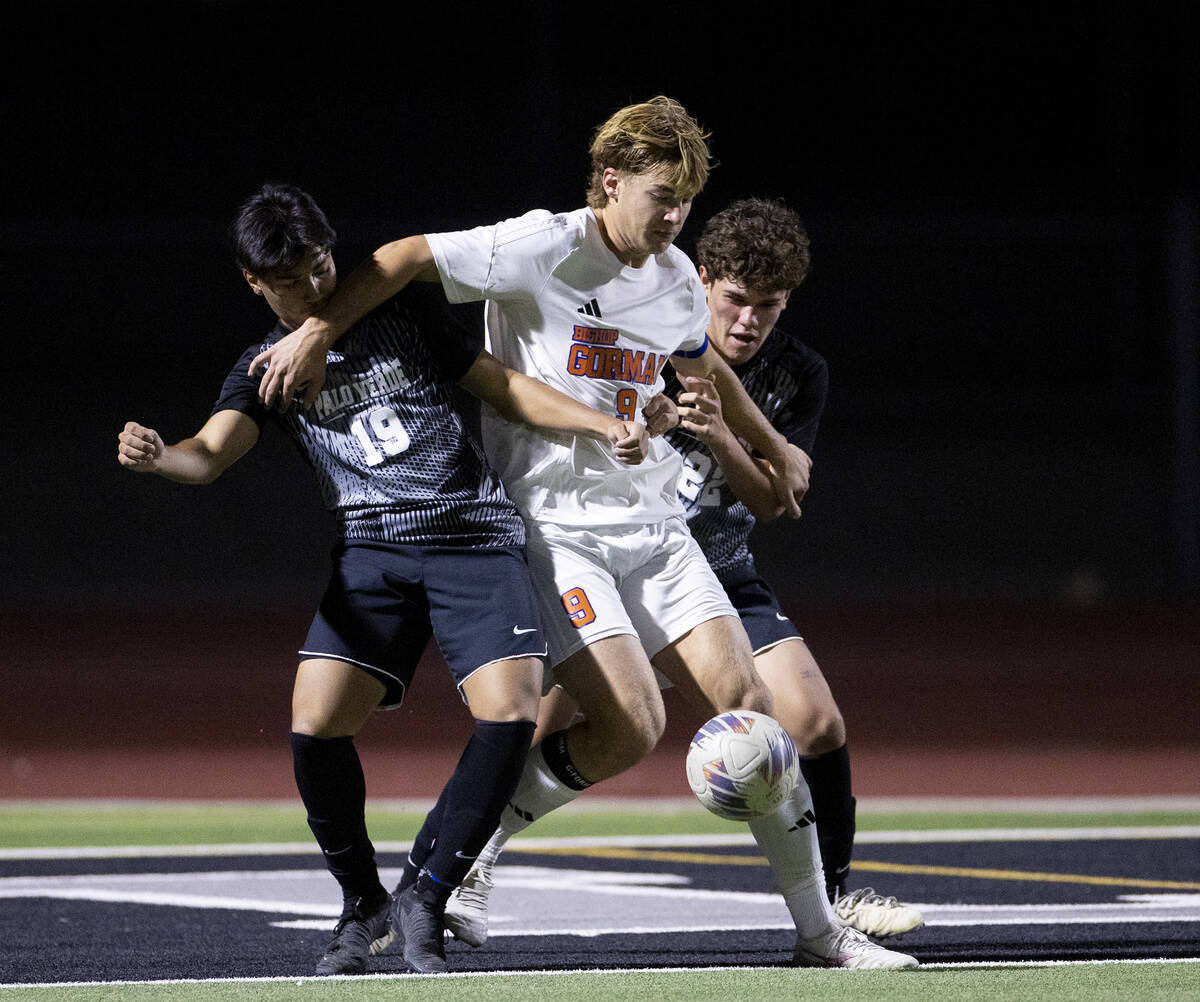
(939, 700)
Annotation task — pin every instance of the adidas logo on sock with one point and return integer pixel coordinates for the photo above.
(524, 815)
(807, 819)
(591, 308)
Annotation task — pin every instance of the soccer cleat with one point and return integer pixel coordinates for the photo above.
(848, 948)
(467, 910)
(359, 928)
(876, 915)
(417, 922)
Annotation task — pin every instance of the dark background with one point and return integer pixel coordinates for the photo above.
(1002, 202)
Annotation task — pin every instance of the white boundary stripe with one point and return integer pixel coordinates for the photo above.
(576, 971)
(620, 841)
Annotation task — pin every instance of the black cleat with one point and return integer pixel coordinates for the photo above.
(361, 926)
(418, 923)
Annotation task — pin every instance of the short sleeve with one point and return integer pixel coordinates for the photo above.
(240, 390)
(509, 259)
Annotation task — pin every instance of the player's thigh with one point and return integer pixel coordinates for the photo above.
(332, 699)
(670, 589)
(573, 574)
(713, 668)
(373, 616)
(804, 704)
(505, 690)
(614, 686)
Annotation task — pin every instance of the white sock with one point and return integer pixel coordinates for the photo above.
(788, 838)
(538, 793)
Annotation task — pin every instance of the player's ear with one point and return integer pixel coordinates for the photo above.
(252, 281)
(704, 276)
(610, 181)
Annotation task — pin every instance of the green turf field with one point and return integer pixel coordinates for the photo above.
(94, 825)
(24, 825)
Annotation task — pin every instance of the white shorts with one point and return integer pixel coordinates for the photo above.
(650, 581)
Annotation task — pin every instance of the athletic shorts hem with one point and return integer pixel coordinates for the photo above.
(389, 681)
(540, 655)
(775, 643)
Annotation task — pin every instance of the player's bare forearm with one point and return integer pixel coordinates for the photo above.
(185, 462)
(788, 475)
(701, 414)
(525, 400)
(296, 363)
(224, 439)
(749, 480)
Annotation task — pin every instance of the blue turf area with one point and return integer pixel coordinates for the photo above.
(660, 905)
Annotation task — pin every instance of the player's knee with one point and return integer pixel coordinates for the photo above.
(642, 730)
(632, 733)
(744, 692)
(815, 730)
(318, 726)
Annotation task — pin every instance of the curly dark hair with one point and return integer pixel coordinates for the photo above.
(758, 243)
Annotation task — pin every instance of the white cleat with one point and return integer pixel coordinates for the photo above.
(467, 910)
(849, 949)
(876, 915)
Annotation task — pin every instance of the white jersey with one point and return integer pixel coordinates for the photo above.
(563, 309)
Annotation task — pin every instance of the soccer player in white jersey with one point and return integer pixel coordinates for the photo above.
(594, 302)
(752, 255)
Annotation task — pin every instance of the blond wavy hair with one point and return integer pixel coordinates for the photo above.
(656, 135)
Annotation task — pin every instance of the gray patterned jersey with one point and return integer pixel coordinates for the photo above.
(386, 439)
(788, 381)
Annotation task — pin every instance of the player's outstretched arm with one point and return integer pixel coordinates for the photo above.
(224, 439)
(748, 477)
(523, 399)
(789, 475)
(296, 363)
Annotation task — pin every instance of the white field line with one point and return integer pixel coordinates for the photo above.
(475, 975)
(735, 839)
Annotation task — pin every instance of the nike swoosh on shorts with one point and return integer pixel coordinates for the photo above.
(517, 630)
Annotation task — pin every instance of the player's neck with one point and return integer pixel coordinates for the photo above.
(619, 247)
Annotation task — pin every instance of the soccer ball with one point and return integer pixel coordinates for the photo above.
(742, 765)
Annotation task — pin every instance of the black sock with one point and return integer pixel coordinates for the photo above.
(474, 797)
(828, 778)
(554, 753)
(423, 844)
(330, 779)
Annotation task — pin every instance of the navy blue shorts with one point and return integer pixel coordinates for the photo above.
(765, 623)
(385, 600)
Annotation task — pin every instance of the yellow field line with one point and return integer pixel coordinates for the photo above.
(709, 858)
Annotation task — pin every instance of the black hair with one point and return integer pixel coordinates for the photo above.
(276, 227)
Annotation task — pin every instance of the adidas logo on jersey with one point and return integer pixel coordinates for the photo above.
(591, 308)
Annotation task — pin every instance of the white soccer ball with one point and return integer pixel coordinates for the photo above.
(742, 765)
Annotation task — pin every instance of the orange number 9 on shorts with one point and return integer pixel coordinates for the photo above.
(579, 609)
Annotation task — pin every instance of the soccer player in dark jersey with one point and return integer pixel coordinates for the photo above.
(427, 541)
(751, 256)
